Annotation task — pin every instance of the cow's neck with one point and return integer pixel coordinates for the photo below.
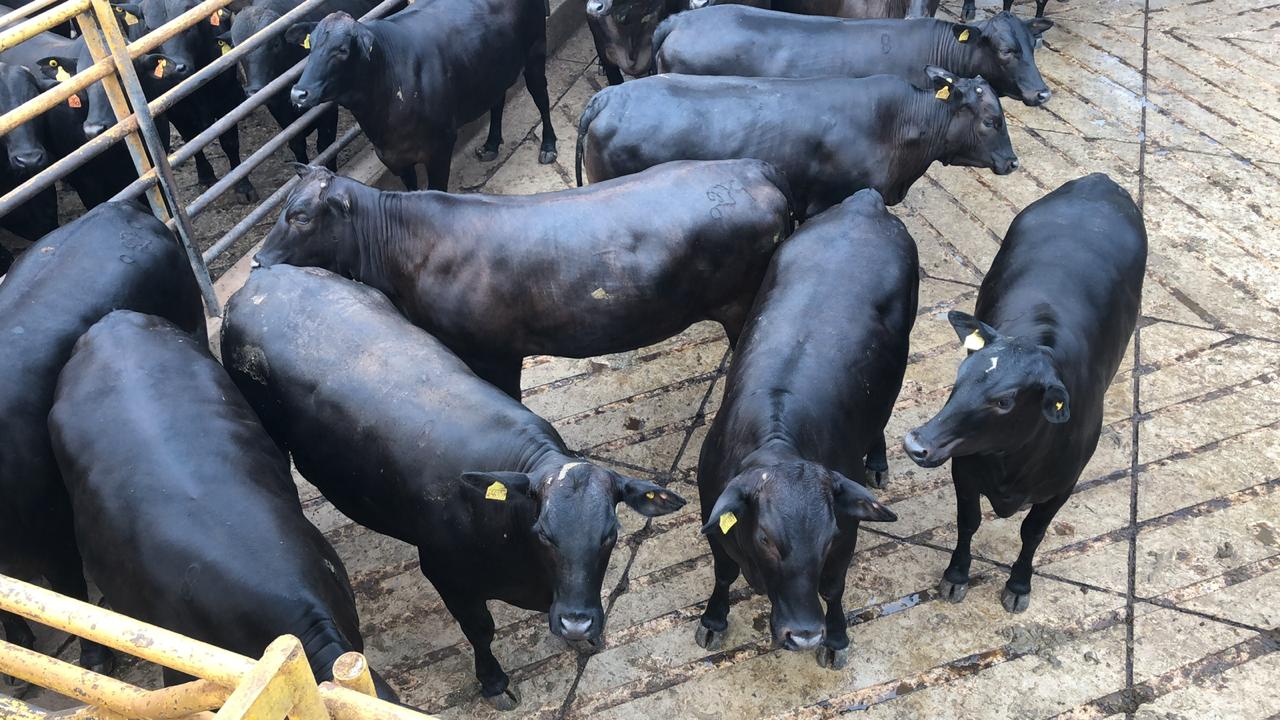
(383, 245)
(919, 134)
(958, 57)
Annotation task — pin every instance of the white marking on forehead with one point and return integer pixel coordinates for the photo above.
(565, 470)
(995, 360)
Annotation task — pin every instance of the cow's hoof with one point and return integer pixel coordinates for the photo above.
(586, 647)
(484, 154)
(246, 194)
(546, 157)
(831, 658)
(506, 700)
(709, 639)
(952, 592)
(877, 479)
(98, 659)
(1015, 602)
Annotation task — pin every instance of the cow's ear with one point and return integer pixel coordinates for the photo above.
(57, 67)
(497, 486)
(302, 169)
(299, 32)
(646, 498)
(1056, 405)
(940, 80)
(364, 40)
(974, 333)
(340, 201)
(965, 33)
(730, 506)
(1039, 25)
(856, 502)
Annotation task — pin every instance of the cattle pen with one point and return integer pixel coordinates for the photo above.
(1157, 588)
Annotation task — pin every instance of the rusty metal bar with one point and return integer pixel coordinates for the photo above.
(44, 21)
(266, 207)
(25, 11)
(147, 126)
(351, 671)
(15, 709)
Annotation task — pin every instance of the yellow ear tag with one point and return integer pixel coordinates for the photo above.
(649, 495)
(1057, 406)
(224, 47)
(130, 19)
(727, 521)
(496, 491)
(306, 42)
(62, 75)
(944, 93)
(160, 67)
(974, 341)
(964, 36)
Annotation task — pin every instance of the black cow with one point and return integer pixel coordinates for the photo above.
(24, 156)
(149, 432)
(271, 59)
(1054, 316)
(807, 397)
(412, 79)
(865, 9)
(177, 58)
(114, 256)
(574, 273)
(744, 41)
(887, 135)
(970, 9)
(400, 436)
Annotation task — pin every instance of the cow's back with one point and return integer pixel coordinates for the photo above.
(185, 509)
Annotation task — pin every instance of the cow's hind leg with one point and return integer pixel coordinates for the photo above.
(440, 163)
(500, 372)
(1040, 6)
(230, 142)
(477, 625)
(877, 464)
(535, 80)
(715, 619)
(1017, 591)
(66, 576)
(18, 632)
(955, 580)
(488, 152)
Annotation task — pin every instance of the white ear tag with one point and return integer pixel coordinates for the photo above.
(974, 341)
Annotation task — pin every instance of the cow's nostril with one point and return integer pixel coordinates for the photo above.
(1044, 95)
(803, 639)
(576, 627)
(595, 7)
(93, 130)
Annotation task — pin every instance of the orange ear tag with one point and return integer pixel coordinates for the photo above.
(74, 101)
(215, 19)
(159, 73)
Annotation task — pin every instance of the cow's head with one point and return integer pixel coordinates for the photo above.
(625, 30)
(340, 46)
(24, 145)
(1006, 389)
(185, 52)
(976, 133)
(315, 227)
(780, 523)
(575, 526)
(270, 59)
(1005, 53)
(93, 105)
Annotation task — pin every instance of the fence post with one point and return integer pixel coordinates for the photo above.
(103, 37)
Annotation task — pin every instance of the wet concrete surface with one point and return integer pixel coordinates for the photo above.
(1157, 591)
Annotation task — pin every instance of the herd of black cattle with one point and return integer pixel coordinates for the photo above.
(378, 342)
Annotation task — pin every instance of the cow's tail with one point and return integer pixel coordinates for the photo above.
(589, 113)
(779, 179)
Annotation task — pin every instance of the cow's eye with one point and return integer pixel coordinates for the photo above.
(300, 219)
(989, 123)
(1003, 404)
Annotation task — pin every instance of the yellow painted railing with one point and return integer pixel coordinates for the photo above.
(278, 685)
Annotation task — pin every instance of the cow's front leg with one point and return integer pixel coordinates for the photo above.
(1017, 591)
(1040, 6)
(66, 576)
(955, 580)
(230, 142)
(488, 152)
(441, 161)
(477, 624)
(877, 463)
(18, 632)
(834, 652)
(535, 81)
(969, 11)
(715, 619)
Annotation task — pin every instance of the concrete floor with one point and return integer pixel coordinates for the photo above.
(1157, 594)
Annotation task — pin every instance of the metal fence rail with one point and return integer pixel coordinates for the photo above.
(278, 685)
(113, 65)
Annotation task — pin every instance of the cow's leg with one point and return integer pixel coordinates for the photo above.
(66, 576)
(612, 72)
(408, 177)
(326, 133)
(500, 372)
(477, 624)
(834, 652)
(535, 80)
(204, 170)
(230, 142)
(1008, 4)
(1017, 591)
(715, 619)
(18, 632)
(283, 114)
(877, 465)
(955, 581)
(488, 152)
(733, 317)
(1040, 6)
(969, 11)
(170, 677)
(440, 162)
